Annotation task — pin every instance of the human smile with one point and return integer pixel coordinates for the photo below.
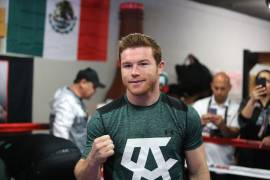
(136, 81)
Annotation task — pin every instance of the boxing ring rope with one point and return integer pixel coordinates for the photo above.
(15, 128)
(238, 170)
(6, 128)
(236, 142)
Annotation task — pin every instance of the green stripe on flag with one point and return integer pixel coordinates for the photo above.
(26, 26)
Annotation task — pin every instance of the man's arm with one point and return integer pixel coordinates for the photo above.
(85, 170)
(256, 95)
(62, 118)
(196, 164)
(227, 131)
(89, 168)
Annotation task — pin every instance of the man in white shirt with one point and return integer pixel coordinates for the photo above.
(219, 118)
(68, 116)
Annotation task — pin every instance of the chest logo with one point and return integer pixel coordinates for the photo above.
(138, 168)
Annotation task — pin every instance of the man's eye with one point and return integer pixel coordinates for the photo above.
(143, 64)
(126, 65)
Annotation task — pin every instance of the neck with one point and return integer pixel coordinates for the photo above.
(75, 89)
(146, 99)
(220, 102)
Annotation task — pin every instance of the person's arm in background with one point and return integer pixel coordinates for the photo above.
(248, 109)
(265, 142)
(62, 118)
(196, 164)
(226, 130)
(89, 168)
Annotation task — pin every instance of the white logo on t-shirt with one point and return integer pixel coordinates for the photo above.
(138, 168)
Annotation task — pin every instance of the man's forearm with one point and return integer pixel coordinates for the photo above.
(201, 176)
(247, 111)
(87, 170)
(227, 131)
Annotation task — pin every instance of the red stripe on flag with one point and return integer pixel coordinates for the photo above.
(93, 33)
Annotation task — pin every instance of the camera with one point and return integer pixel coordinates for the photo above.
(261, 81)
(212, 110)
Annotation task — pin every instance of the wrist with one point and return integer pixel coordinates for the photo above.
(252, 101)
(92, 160)
(220, 124)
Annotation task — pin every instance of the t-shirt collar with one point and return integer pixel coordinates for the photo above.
(225, 104)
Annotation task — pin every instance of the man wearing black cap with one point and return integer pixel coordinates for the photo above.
(68, 116)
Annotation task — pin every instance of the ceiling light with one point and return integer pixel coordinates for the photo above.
(268, 3)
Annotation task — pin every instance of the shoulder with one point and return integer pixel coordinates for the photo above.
(64, 96)
(234, 103)
(112, 106)
(202, 101)
(201, 104)
(173, 102)
(63, 92)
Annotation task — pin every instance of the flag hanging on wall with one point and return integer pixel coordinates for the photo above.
(59, 29)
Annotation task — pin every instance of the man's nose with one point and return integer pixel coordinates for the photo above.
(134, 70)
(219, 91)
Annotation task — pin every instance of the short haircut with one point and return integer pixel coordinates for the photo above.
(140, 40)
(223, 75)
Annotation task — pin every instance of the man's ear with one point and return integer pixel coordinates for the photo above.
(212, 86)
(161, 66)
(230, 86)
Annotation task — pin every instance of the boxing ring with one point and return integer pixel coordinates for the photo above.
(17, 128)
(14, 128)
(238, 170)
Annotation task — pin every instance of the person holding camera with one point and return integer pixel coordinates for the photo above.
(219, 119)
(254, 120)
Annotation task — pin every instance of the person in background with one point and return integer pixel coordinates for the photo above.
(68, 117)
(219, 118)
(3, 114)
(163, 82)
(145, 134)
(254, 119)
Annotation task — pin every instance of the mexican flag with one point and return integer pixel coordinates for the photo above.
(59, 29)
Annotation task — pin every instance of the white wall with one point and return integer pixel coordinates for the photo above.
(216, 36)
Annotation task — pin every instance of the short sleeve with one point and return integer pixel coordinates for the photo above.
(95, 129)
(193, 135)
